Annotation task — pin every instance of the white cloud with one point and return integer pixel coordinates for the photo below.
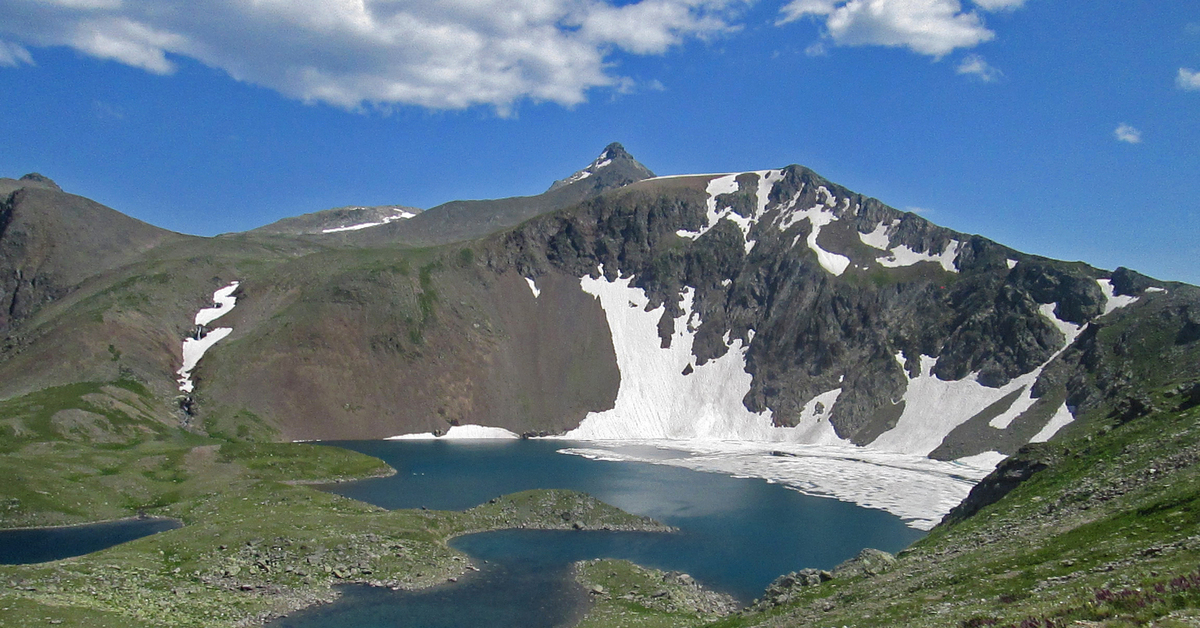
(999, 5)
(1188, 80)
(1128, 134)
(928, 27)
(442, 54)
(976, 66)
(12, 55)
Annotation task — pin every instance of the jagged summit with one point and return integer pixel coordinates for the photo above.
(614, 168)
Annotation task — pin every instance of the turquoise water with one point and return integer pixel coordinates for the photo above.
(39, 545)
(736, 535)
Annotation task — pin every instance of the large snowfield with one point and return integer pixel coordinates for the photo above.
(696, 410)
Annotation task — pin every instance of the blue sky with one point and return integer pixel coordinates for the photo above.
(1063, 128)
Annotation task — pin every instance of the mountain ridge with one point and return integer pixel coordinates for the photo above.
(805, 287)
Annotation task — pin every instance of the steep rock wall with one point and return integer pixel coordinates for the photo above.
(936, 341)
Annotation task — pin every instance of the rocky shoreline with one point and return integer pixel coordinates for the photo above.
(322, 568)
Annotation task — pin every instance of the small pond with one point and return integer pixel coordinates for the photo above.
(39, 545)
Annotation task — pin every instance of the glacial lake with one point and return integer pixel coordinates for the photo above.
(39, 545)
(736, 535)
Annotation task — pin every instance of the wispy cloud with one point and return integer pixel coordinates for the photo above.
(975, 66)
(999, 5)
(928, 27)
(1128, 134)
(1188, 80)
(440, 54)
(107, 111)
(12, 55)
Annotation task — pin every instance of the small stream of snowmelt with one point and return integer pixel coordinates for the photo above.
(194, 348)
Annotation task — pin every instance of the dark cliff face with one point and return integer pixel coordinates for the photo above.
(810, 330)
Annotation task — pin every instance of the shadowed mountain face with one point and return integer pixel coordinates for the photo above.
(51, 241)
(770, 305)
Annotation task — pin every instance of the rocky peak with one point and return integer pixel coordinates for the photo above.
(40, 180)
(614, 168)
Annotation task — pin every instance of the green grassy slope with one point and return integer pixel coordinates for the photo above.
(256, 542)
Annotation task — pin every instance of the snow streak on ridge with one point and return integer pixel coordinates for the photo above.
(399, 214)
(194, 348)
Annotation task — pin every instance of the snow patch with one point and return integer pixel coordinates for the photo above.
(1012, 263)
(223, 301)
(1155, 289)
(878, 238)
(918, 490)
(1060, 419)
(985, 460)
(533, 288)
(708, 175)
(462, 432)
(194, 348)
(398, 214)
(933, 407)
(1070, 332)
(598, 163)
(904, 256)
(656, 400)
(818, 216)
(727, 184)
(1114, 302)
(578, 176)
(829, 201)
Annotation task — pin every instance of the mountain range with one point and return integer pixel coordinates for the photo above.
(768, 305)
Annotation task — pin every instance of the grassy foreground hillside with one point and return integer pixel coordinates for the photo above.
(256, 542)
(1107, 534)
